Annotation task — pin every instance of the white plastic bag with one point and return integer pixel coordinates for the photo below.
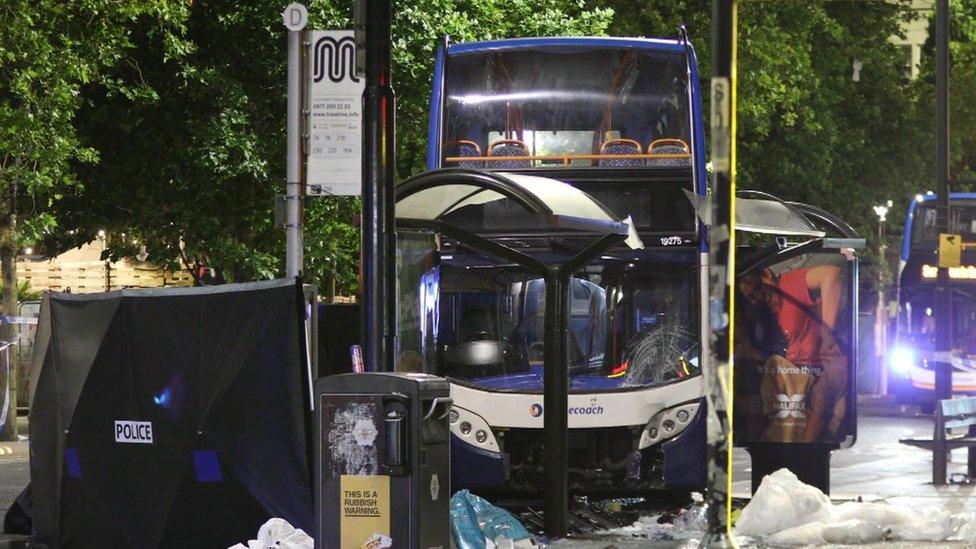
(278, 534)
(782, 502)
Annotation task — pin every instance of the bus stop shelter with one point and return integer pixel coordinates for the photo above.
(472, 207)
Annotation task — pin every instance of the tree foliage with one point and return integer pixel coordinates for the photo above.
(807, 129)
(192, 153)
(49, 51)
(820, 133)
(962, 92)
(179, 146)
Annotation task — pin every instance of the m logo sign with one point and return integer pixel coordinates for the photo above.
(134, 432)
(335, 58)
(335, 105)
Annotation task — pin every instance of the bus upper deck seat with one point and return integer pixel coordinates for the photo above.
(668, 146)
(620, 147)
(463, 148)
(508, 147)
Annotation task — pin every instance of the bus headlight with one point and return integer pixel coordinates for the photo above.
(667, 424)
(472, 429)
(902, 360)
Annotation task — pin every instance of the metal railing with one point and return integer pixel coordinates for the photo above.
(5, 352)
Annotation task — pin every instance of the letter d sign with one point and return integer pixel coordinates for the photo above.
(295, 17)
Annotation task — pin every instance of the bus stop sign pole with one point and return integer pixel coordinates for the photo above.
(295, 18)
(943, 295)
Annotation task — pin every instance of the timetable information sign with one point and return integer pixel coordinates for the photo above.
(334, 115)
(950, 250)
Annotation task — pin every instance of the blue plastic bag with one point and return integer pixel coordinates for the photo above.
(473, 520)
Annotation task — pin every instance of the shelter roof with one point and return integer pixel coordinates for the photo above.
(761, 215)
(433, 196)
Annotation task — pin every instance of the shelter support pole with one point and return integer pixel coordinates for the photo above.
(378, 236)
(555, 407)
(294, 235)
(718, 363)
(881, 315)
(943, 292)
(943, 302)
(556, 385)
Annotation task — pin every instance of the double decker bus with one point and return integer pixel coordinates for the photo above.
(911, 364)
(594, 128)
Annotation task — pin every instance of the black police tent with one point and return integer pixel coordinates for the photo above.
(169, 417)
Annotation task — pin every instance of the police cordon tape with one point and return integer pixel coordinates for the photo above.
(959, 362)
(18, 319)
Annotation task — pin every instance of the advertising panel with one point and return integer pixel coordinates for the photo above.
(793, 350)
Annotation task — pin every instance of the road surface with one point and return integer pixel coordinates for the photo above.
(877, 467)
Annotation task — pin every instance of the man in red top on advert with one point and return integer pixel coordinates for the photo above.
(810, 379)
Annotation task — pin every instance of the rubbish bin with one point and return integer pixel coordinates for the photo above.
(382, 459)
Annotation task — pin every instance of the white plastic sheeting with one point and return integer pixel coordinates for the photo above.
(278, 534)
(788, 512)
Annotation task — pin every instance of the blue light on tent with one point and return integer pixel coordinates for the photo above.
(163, 398)
(172, 397)
(73, 462)
(207, 466)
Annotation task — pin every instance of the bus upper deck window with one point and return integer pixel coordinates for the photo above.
(568, 107)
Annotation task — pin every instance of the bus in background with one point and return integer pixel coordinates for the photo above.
(621, 120)
(911, 373)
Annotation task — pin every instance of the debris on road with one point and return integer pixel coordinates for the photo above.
(477, 524)
(681, 527)
(786, 511)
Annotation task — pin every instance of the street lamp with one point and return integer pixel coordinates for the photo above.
(880, 317)
(882, 212)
